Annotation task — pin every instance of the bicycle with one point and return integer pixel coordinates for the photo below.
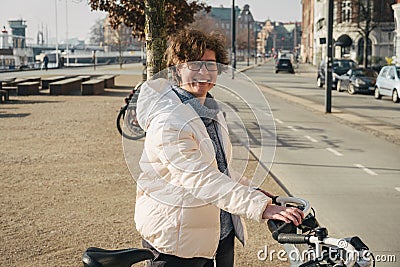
(322, 250)
(127, 123)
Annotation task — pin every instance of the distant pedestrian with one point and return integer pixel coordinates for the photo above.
(46, 62)
(94, 59)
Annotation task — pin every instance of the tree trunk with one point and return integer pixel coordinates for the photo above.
(155, 31)
(367, 32)
(120, 55)
(365, 51)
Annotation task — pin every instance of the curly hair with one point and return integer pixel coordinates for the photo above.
(190, 45)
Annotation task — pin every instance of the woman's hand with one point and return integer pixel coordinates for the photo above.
(286, 214)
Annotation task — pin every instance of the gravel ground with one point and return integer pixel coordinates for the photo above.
(65, 185)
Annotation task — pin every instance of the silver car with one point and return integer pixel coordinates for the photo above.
(388, 83)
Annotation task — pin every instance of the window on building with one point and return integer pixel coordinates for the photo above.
(346, 11)
(361, 48)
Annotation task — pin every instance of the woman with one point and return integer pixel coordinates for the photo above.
(189, 201)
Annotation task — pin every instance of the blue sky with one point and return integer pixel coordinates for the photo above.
(80, 18)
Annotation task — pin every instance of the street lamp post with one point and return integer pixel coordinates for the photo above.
(57, 64)
(329, 46)
(66, 33)
(255, 42)
(233, 41)
(248, 39)
(274, 41)
(246, 18)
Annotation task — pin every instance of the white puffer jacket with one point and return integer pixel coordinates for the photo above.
(180, 191)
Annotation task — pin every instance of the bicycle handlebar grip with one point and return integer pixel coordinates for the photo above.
(293, 239)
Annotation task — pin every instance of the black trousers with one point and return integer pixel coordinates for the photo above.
(224, 256)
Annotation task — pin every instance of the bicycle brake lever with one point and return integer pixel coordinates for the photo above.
(309, 223)
(274, 200)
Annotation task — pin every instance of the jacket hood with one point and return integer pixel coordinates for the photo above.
(155, 97)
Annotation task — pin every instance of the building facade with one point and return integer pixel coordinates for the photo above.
(307, 36)
(373, 18)
(396, 9)
(13, 50)
(262, 38)
(279, 36)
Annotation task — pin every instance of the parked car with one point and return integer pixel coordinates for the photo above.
(388, 83)
(339, 67)
(283, 64)
(357, 80)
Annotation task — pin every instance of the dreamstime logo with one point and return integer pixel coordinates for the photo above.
(179, 164)
(294, 255)
(334, 254)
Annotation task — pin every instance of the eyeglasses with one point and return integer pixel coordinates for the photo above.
(197, 65)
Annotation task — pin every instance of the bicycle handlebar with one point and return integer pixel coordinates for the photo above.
(293, 239)
(285, 233)
(351, 252)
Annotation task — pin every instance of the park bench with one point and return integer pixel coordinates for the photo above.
(7, 81)
(11, 84)
(48, 80)
(109, 80)
(28, 88)
(17, 81)
(3, 96)
(66, 87)
(5, 92)
(92, 87)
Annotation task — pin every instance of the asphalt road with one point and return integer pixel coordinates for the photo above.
(350, 175)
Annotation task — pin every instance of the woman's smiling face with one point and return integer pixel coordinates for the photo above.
(199, 81)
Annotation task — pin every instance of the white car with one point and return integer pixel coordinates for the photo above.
(388, 83)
